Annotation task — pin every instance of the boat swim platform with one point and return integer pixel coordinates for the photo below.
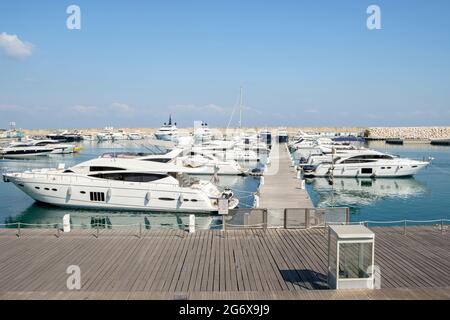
(282, 188)
(214, 264)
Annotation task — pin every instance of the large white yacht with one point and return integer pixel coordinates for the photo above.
(168, 132)
(366, 163)
(58, 147)
(24, 150)
(121, 184)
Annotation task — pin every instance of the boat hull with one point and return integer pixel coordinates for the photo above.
(82, 192)
(369, 171)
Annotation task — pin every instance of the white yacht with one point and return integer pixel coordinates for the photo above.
(228, 150)
(58, 147)
(202, 133)
(365, 164)
(24, 150)
(105, 135)
(198, 163)
(189, 162)
(168, 132)
(121, 184)
(135, 136)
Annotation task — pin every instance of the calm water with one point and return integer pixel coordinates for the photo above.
(423, 197)
(15, 206)
(426, 196)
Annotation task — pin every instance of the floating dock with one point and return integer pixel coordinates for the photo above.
(213, 264)
(282, 187)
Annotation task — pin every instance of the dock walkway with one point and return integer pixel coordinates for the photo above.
(281, 188)
(213, 264)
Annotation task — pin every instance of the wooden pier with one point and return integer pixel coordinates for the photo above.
(282, 188)
(213, 264)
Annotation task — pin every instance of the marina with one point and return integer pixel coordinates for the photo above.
(243, 151)
(274, 245)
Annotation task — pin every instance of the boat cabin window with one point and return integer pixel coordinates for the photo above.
(130, 176)
(99, 168)
(162, 160)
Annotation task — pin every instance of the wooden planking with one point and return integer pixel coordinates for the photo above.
(281, 188)
(173, 263)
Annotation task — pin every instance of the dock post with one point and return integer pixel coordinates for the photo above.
(404, 227)
(57, 230)
(223, 223)
(307, 222)
(442, 226)
(285, 219)
(97, 232)
(18, 229)
(265, 219)
(140, 230)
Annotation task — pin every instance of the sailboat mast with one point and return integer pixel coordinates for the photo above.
(240, 108)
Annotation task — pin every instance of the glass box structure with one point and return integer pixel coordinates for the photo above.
(350, 257)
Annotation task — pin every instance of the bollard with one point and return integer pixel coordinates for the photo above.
(442, 226)
(256, 201)
(66, 222)
(97, 231)
(192, 223)
(18, 229)
(140, 230)
(404, 227)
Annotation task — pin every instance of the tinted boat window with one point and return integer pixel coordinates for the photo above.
(98, 168)
(130, 176)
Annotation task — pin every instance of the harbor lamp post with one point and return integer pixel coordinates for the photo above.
(350, 257)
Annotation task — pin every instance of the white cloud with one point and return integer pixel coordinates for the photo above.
(84, 109)
(121, 107)
(11, 107)
(13, 47)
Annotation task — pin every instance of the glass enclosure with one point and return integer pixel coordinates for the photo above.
(355, 260)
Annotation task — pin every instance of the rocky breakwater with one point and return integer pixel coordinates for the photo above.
(413, 133)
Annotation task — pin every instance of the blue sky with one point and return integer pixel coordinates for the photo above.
(305, 63)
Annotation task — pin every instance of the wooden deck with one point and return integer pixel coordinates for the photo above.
(281, 187)
(212, 264)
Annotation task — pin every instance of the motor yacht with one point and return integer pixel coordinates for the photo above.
(58, 147)
(202, 133)
(365, 164)
(168, 132)
(121, 184)
(189, 162)
(24, 150)
(135, 136)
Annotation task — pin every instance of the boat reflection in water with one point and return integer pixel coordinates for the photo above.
(48, 216)
(356, 192)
